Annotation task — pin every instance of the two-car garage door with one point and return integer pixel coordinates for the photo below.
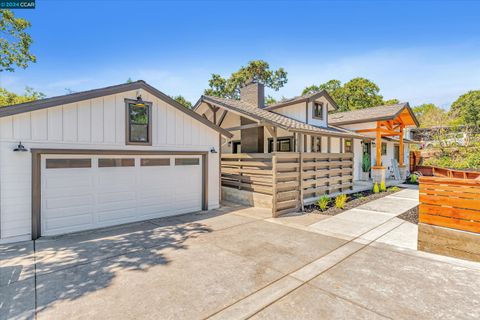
(81, 192)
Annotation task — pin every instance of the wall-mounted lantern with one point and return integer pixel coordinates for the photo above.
(213, 150)
(20, 148)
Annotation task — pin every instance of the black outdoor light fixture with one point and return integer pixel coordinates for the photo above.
(213, 150)
(20, 148)
(139, 102)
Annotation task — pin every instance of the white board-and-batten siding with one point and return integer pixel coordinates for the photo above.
(90, 124)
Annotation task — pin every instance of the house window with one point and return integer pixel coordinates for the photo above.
(348, 146)
(154, 162)
(115, 162)
(68, 163)
(187, 161)
(283, 144)
(384, 148)
(318, 111)
(139, 125)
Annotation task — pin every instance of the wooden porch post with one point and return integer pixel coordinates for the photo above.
(378, 142)
(400, 148)
(274, 147)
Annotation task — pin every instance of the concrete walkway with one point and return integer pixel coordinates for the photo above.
(237, 263)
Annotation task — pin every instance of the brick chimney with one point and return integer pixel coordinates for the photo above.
(253, 93)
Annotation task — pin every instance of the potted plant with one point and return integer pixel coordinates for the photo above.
(366, 166)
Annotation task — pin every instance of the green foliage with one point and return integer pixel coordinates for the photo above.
(129, 80)
(459, 158)
(467, 108)
(383, 187)
(375, 188)
(429, 115)
(8, 98)
(256, 70)
(366, 163)
(323, 202)
(413, 178)
(358, 93)
(184, 102)
(394, 189)
(15, 42)
(270, 100)
(340, 201)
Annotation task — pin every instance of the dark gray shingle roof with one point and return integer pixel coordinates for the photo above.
(368, 114)
(276, 119)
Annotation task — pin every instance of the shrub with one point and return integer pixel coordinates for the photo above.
(375, 188)
(340, 201)
(383, 187)
(323, 202)
(394, 189)
(413, 178)
(366, 163)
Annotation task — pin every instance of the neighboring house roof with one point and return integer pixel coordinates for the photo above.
(96, 93)
(379, 113)
(306, 97)
(275, 119)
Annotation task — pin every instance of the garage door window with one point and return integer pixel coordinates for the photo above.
(115, 162)
(187, 161)
(68, 163)
(138, 122)
(154, 162)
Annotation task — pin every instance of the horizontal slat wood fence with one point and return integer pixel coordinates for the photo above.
(290, 177)
(449, 202)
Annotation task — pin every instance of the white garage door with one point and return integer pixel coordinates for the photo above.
(86, 192)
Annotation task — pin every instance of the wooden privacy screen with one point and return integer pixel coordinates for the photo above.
(289, 177)
(449, 202)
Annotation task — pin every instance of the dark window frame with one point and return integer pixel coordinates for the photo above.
(116, 162)
(386, 146)
(279, 140)
(148, 105)
(316, 107)
(187, 161)
(154, 162)
(68, 163)
(350, 146)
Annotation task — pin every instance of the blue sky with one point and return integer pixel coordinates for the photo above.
(415, 51)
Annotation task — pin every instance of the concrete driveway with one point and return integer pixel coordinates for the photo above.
(234, 263)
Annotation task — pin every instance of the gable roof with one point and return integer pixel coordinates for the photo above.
(96, 93)
(312, 96)
(275, 119)
(380, 113)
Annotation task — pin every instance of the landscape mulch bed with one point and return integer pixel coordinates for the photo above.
(410, 216)
(353, 201)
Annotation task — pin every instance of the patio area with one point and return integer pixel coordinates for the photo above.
(361, 264)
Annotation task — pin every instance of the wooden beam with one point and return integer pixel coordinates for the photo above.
(400, 149)
(382, 130)
(222, 117)
(245, 126)
(378, 143)
(274, 135)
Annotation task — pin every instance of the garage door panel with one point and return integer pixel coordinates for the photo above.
(69, 212)
(68, 202)
(117, 216)
(75, 199)
(69, 224)
(109, 197)
(58, 181)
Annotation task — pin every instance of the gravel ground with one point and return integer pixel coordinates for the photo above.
(410, 216)
(354, 200)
